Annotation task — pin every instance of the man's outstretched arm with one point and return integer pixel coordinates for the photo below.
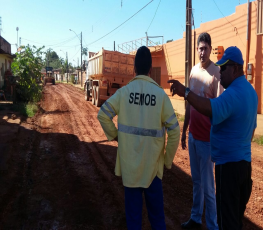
(201, 104)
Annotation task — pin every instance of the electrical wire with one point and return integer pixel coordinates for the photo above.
(109, 37)
(154, 16)
(46, 46)
(228, 21)
(46, 42)
(121, 23)
(56, 44)
(63, 43)
(103, 17)
(222, 13)
(75, 54)
(51, 41)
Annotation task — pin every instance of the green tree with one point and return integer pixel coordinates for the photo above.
(85, 51)
(27, 65)
(64, 66)
(52, 59)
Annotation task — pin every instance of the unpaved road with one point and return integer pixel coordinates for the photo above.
(61, 173)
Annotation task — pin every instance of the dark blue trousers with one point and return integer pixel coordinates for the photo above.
(233, 189)
(154, 203)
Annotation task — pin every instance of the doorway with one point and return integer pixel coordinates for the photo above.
(156, 75)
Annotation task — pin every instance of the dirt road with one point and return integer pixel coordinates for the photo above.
(61, 173)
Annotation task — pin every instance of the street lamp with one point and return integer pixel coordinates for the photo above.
(80, 54)
(67, 63)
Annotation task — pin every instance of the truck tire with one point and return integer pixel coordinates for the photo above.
(87, 94)
(98, 101)
(93, 95)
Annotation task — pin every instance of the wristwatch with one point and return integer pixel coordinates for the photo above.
(187, 90)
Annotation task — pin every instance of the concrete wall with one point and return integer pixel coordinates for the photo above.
(228, 31)
(79, 77)
(5, 64)
(5, 45)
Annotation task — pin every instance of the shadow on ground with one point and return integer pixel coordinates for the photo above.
(56, 181)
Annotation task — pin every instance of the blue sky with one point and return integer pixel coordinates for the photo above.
(48, 22)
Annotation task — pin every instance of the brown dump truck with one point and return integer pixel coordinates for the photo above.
(107, 71)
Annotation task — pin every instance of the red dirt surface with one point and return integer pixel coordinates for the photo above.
(60, 173)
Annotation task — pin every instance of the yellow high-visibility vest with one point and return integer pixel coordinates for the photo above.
(145, 114)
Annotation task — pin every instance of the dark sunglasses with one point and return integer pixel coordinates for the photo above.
(223, 67)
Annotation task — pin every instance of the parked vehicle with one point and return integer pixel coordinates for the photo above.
(107, 71)
(49, 78)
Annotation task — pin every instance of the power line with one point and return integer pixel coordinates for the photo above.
(48, 41)
(0, 25)
(222, 13)
(74, 46)
(122, 23)
(228, 21)
(154, 16)
(109, 37)
(63, 43)
(51, 41)
(75, 54)
(102, 18)
(56, 44)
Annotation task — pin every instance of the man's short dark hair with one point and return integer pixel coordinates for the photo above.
(204, 37)
(143, 61)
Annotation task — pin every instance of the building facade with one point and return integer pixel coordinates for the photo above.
(6, 59)
(242, 29)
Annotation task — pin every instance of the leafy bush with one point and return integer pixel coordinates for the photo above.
(27, 110)
(27, 65)
(258, 140)
(180, 117)
(72, 79)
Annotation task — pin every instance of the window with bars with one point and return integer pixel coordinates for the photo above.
(260, 17)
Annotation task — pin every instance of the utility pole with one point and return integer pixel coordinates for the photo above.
(247, 45)
(146, 39)
(188, 42)
(194, 40)
(81, 58)
(48, 58)
(80, 53)
(17, 39)
(0, 29)
(67, 66)
(0, 25)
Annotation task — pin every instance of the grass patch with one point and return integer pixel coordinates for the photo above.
(27, 110)
(70, 83)
(65, 82)
(31, 109)
(258, 140)
(180, 117)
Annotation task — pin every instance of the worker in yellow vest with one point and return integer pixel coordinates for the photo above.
(145, 114)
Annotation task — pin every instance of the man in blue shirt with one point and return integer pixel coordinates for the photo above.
(233, 117)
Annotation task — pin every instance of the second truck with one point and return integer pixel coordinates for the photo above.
(107, 71)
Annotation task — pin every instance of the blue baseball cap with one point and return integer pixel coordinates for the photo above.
(231, 53)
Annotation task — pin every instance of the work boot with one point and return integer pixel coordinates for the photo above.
(190, 224)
